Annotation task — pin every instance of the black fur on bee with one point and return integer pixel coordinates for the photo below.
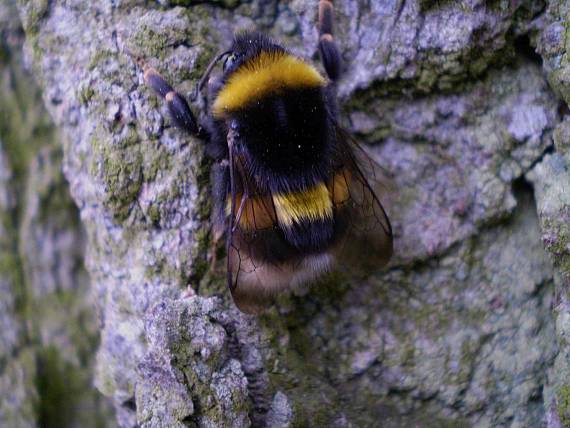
(288, 184)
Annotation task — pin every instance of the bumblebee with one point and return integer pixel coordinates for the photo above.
(289, 185)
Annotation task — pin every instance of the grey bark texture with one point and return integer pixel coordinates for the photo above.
(48, 325)
(463, 104)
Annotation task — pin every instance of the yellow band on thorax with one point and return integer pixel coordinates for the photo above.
(266, 74)
(310, 204)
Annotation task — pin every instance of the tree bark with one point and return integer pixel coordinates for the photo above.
(48, 327)
(465, 107)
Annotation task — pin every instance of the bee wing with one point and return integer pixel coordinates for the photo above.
(259, 260)
(250, 272)
(366, 243)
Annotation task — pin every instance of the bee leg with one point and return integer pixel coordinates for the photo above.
(216, 144)
(330, 54)
(219, 177)
(180, 112)
(215, 84)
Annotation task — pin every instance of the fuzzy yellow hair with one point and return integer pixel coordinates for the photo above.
(310, 204)
(268, 73)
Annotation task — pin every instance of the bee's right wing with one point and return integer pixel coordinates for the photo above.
(366, 241)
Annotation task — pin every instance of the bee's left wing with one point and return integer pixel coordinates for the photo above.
(260, 262)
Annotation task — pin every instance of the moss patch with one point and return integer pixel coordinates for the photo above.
(61, 388)
(563, 404)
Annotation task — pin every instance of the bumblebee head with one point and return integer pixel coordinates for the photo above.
(246, 47)
(256, 68)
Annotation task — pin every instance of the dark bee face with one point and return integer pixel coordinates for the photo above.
(231, 62)
(245, 47)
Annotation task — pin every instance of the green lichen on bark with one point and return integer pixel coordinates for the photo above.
(563, 402)
(18, 385)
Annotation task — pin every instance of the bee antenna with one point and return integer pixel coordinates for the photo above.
(206, 75)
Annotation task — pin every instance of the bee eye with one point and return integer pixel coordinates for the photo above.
(230, 60)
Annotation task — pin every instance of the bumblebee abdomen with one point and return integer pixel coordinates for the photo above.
(306, 221)
(306, 217)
